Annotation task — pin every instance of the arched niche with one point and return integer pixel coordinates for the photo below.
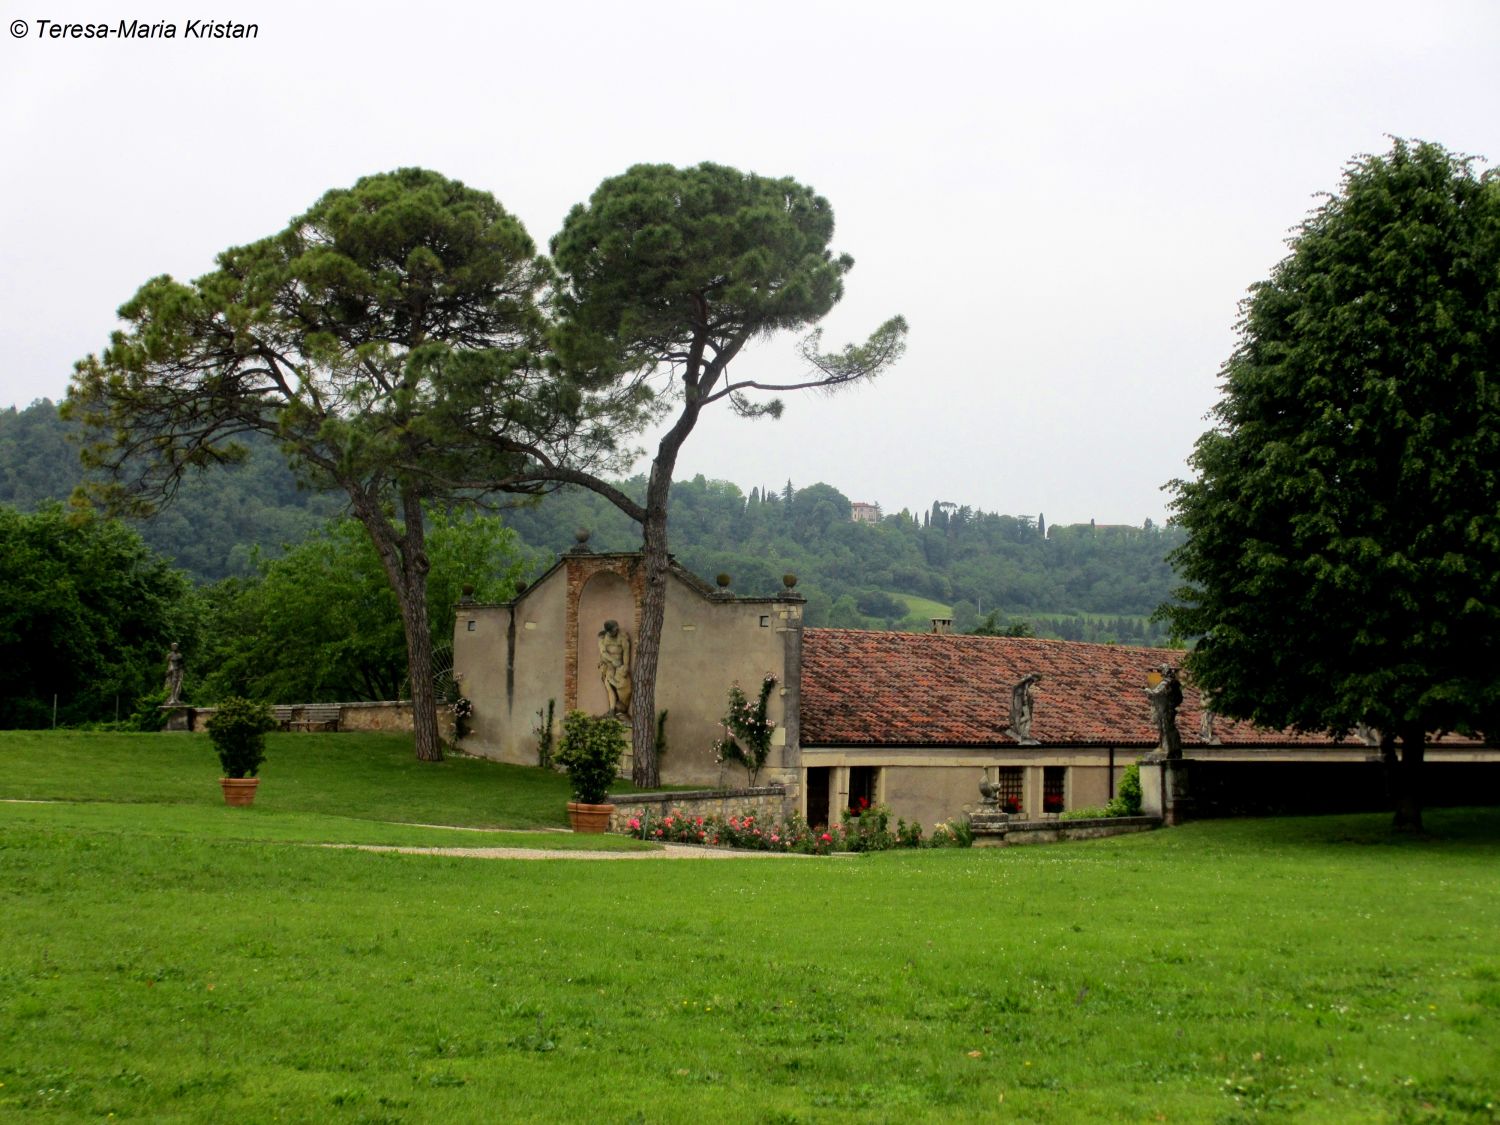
(604, 597)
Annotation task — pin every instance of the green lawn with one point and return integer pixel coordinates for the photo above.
(169, 959)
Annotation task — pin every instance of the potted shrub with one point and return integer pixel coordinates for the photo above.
(590, 752)
(238, 731)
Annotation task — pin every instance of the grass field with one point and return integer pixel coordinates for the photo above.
(168, 959)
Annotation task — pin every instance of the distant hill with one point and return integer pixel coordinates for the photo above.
(1062, 580)
(218, 519)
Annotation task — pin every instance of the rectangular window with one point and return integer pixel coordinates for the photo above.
(864, 787)
(1011, 794)
(1054, 786)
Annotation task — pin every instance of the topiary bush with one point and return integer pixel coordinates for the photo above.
(590, 752)
(1128, 796)
(238, 731)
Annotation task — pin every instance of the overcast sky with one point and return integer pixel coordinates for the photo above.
(1067, 201)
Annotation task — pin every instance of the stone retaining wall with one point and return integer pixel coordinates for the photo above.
(766, 802)
(1052, 831)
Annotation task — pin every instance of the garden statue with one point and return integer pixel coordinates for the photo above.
(1206, 728)
(1166, 697)
(174, 676)
(614, 667)
(989, 790)
(1022, 704)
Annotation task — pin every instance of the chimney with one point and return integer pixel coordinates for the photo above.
(942, 626)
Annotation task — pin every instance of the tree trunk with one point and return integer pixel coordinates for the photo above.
(646, 772)
(405, 562)
(1408, 817)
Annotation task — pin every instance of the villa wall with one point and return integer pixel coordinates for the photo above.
(511, 659)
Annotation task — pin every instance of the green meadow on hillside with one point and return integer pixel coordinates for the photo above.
(167, 958)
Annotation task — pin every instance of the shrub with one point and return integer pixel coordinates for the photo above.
(1090, 812)
(148, 716)
(1128, 795)
(956, 833)
(590, 752)
(463, 713)
(542, 728)
(867, 828)
(238, 731)
(747, 722)
(908, 835)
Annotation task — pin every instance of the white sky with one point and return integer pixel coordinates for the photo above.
(1066, 200)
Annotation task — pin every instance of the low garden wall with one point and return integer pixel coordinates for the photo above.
(1052, 830)
(394, 715)
(765, 802)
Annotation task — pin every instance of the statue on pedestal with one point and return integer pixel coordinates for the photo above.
(614, 667)
(1166, 697)
(174, 676)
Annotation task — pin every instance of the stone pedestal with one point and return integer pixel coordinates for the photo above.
(1164, 788)
(180, 716)
(990, 826)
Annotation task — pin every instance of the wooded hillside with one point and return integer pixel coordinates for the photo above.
(1076, 581)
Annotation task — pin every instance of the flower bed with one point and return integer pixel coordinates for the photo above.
(864, 831)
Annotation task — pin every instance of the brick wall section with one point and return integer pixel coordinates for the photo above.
(582, 566)
(766, 802)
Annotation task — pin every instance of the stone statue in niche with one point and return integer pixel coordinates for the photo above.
(614, 667)
(1022, 705)
(1166, 697)
(174, 676)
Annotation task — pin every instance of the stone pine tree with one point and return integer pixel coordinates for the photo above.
(666, 275)
(1342, 564)
(363, 338)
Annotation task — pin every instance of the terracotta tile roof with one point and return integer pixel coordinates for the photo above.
(921, 689)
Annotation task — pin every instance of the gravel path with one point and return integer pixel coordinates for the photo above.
(668, 851)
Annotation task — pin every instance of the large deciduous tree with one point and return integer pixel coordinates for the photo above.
(86, 619)
(355, 337)
(1342, 565)
(666, 274)
(320, 622)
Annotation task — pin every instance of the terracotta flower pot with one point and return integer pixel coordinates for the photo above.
(589, 818)
(239, 791)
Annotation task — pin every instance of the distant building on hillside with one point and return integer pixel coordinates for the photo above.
(860, 512)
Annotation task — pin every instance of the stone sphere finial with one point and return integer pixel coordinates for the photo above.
(789, 580)
(582, 535)
(723, 580)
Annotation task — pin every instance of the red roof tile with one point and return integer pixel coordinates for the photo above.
(923, 689)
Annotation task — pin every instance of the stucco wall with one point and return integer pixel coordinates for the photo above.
(510, 660)
(513, 659)
(706, 645)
